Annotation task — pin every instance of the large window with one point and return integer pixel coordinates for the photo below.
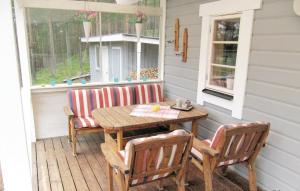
(60, 53)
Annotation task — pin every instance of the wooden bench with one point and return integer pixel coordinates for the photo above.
(82, 102)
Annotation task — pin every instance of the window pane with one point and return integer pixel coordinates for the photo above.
(56, 51)
(227, 30)
(222, 77)
(225, 54)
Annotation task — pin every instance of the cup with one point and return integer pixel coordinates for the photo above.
(83, 81)
(53, 82)
(188, 103)
(184, 106)
(178, 103)
(69, 82)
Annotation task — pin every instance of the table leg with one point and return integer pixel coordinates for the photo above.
(195, 128)
(120, 140)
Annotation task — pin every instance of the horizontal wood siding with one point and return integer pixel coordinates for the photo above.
(273, 86)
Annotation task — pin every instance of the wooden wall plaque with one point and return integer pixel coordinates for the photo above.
(176, 40)
(185, 45)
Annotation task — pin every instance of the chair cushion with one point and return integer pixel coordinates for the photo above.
(118, 96)
(217, 140)
(97, 98)
(148, 93)
(85, 122)
(124, 154)
(80, 102)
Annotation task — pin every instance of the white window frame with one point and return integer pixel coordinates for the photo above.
(210, 62)
(221, 8)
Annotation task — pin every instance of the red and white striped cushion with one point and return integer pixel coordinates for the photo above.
(125, 154)
(80, 102)
(85, 122)
(148, 93)
(220, 133)
(97, 98)
(118, 96)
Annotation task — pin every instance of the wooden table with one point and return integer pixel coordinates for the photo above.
(117, 120)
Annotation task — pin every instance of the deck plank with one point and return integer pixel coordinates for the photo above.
(64, 169)
(42, 166)
(57, 168)
(54, 174)
(86, 170)
(1, 180)
(34, 168)
(98, 169)
(78, 177)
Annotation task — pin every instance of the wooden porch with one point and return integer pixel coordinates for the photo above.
(1, 181)
(55, 168)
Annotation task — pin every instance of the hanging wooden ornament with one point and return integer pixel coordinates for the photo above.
(176, 31)
(185, 45)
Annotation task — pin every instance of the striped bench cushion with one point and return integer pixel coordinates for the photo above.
(141, 165)
(148, 93)
(80, 102)
(85, 122)
(118, 96)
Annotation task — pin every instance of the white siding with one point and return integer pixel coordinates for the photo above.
(273, 86)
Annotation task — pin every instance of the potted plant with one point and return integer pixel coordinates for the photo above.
(140, 19)
(86, 17)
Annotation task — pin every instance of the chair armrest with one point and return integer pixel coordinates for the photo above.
(203, 148)
(113, 159)
(68, 111)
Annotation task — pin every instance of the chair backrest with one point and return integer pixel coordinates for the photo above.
(148, 93)
(157, 157)
(80, 102)
(239, 142)
(83, 102)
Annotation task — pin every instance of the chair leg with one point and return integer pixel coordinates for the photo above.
(252, 177)
(181, 185)
(70, 130)
(110, 177)
(207, 173)
(74, 140)
(160, 185)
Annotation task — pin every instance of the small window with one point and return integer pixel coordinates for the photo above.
(223, 53)
(226, 35)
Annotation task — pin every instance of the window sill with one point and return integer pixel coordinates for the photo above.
(218, 94)
(65, 87)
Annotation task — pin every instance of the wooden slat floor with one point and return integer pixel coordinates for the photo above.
(1, 181)
(55, 168)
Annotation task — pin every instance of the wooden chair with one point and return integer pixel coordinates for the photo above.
(232, 144)
(149, 159)
(79, 113)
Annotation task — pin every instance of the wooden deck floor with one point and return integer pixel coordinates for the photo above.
(54, 168)
(1, 181)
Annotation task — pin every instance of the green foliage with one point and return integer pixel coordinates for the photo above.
(70, 68)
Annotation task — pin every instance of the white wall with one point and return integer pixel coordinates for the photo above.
(15, 161)
(50, 120)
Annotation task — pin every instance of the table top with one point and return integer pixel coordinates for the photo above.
(118, 118)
